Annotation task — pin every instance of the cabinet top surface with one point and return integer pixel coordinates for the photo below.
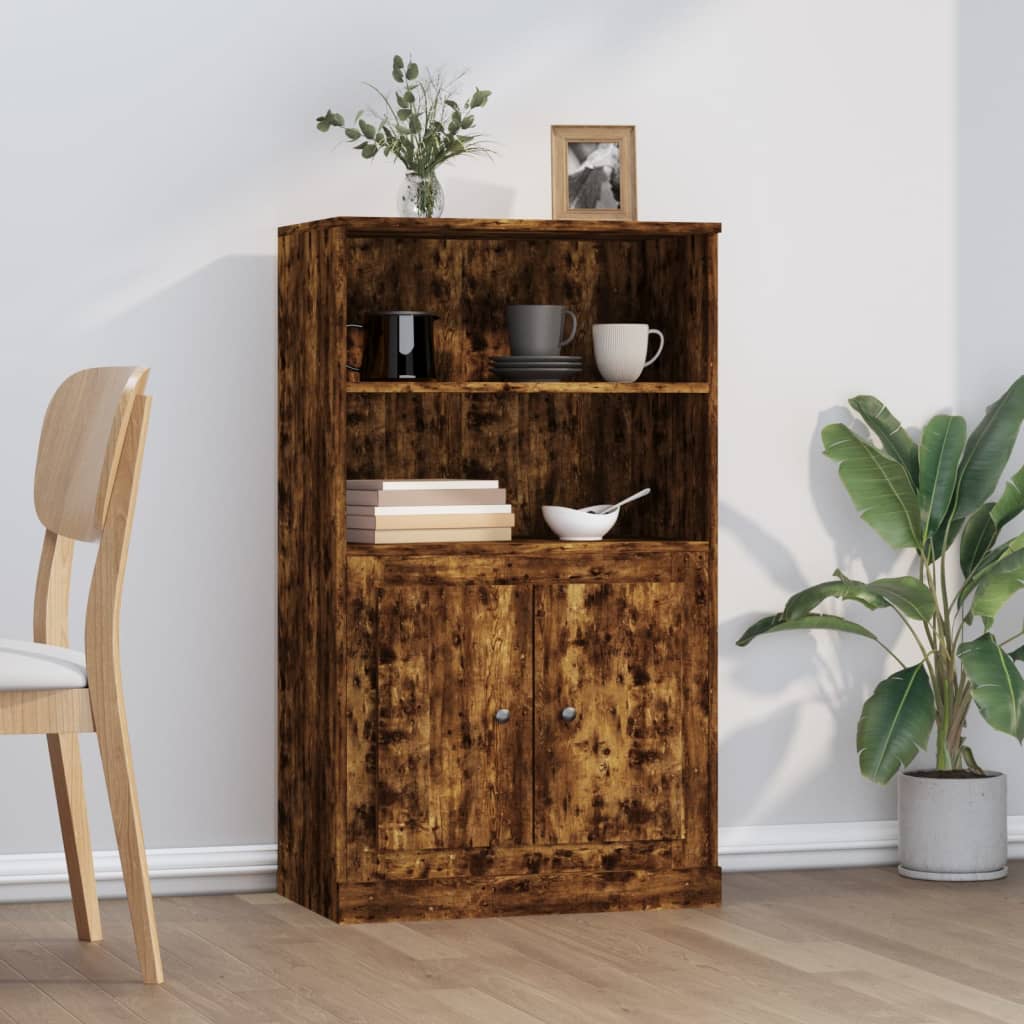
(452, 227)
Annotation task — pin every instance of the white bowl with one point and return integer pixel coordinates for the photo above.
(572, 524)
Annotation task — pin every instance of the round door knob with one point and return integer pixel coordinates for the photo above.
(568, 714)
(502, 715)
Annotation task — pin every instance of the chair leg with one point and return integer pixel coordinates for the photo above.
(66, 764)
(115, 753)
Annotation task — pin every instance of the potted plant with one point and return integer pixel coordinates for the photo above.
(424, 126)
(924, 496)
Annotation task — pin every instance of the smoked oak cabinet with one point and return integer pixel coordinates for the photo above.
(498, 728)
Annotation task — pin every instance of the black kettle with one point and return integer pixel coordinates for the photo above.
(399, 345)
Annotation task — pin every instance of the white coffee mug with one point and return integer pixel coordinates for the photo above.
(621, 350)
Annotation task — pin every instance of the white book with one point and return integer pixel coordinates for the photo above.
(383, 511)
(418, 485)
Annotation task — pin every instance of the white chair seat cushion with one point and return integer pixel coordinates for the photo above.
(29, 666)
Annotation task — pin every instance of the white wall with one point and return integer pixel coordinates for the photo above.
(149, 152)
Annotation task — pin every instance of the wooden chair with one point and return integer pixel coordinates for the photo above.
(87, 474)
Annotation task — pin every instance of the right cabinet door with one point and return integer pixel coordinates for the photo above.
(621, 729)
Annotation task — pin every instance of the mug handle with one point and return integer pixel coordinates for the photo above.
(572, 334)
(654, 330)
(349, 366)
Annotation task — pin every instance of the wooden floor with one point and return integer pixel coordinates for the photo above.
(818, 947)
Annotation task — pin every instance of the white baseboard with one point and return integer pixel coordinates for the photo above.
(838, 844)
(32, 877)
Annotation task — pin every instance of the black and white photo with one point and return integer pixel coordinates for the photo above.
(594, 176)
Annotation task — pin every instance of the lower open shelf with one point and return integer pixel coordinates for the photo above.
(527, 547)
(593, 387)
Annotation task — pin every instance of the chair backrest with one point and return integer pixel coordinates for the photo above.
(87, 474)
(80, 447)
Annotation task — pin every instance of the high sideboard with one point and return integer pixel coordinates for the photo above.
(402, 792)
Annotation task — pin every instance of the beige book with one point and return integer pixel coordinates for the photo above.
(484, 496)
(420, 521)
(427, 536)
(420, 485)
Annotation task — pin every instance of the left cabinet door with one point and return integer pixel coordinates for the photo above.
(453, 769)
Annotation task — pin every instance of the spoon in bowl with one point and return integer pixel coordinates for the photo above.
(603, 510)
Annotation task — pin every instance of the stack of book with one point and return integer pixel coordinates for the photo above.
(426, 511)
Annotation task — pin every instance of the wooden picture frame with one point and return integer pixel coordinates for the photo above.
(595, 196)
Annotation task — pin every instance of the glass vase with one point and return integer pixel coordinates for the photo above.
(421, 196)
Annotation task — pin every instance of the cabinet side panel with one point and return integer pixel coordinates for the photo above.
(710, 292)
(310, 564)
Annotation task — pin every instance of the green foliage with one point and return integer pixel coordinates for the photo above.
(879, 486)
(922, 497)
(988, 448)
(979, 536)
(1011, 501)
(325, 122)
(895, 723)
(842, 587)
(942, 444)
(889, 431)
(777, 623)
(997, 585)
(997, 685)
(423, 127)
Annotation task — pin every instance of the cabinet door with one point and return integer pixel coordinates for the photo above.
(450, 774)
(614, 654)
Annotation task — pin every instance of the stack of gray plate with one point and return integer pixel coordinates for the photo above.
(525, 368)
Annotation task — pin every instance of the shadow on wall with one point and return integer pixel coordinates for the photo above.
(199, 626)
(807, 682)
(467, 198)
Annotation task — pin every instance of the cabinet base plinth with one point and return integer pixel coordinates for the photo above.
(569, 892)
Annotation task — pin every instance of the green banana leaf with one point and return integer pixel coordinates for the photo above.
(942, 444)
(997, 685)
(997, 585)
(988, 449)
(939, 543)
(979, 536)
(879, 486)
(848, 590)
(989, 564)
(1011, 501)
(889, 431)
(905, 593)
(895, 723)
(778, 623)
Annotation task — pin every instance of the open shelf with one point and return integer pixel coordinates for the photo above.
(528, 547)
(527, 561)
(572, 387)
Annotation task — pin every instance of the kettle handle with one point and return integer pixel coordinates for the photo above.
(349, 366)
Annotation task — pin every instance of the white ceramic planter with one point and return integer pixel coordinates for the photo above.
(952, 829)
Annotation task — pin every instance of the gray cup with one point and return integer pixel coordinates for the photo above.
(537, 330)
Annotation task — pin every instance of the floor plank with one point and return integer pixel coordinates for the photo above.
(858, 946)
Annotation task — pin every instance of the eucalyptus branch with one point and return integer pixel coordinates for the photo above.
(416, 129)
